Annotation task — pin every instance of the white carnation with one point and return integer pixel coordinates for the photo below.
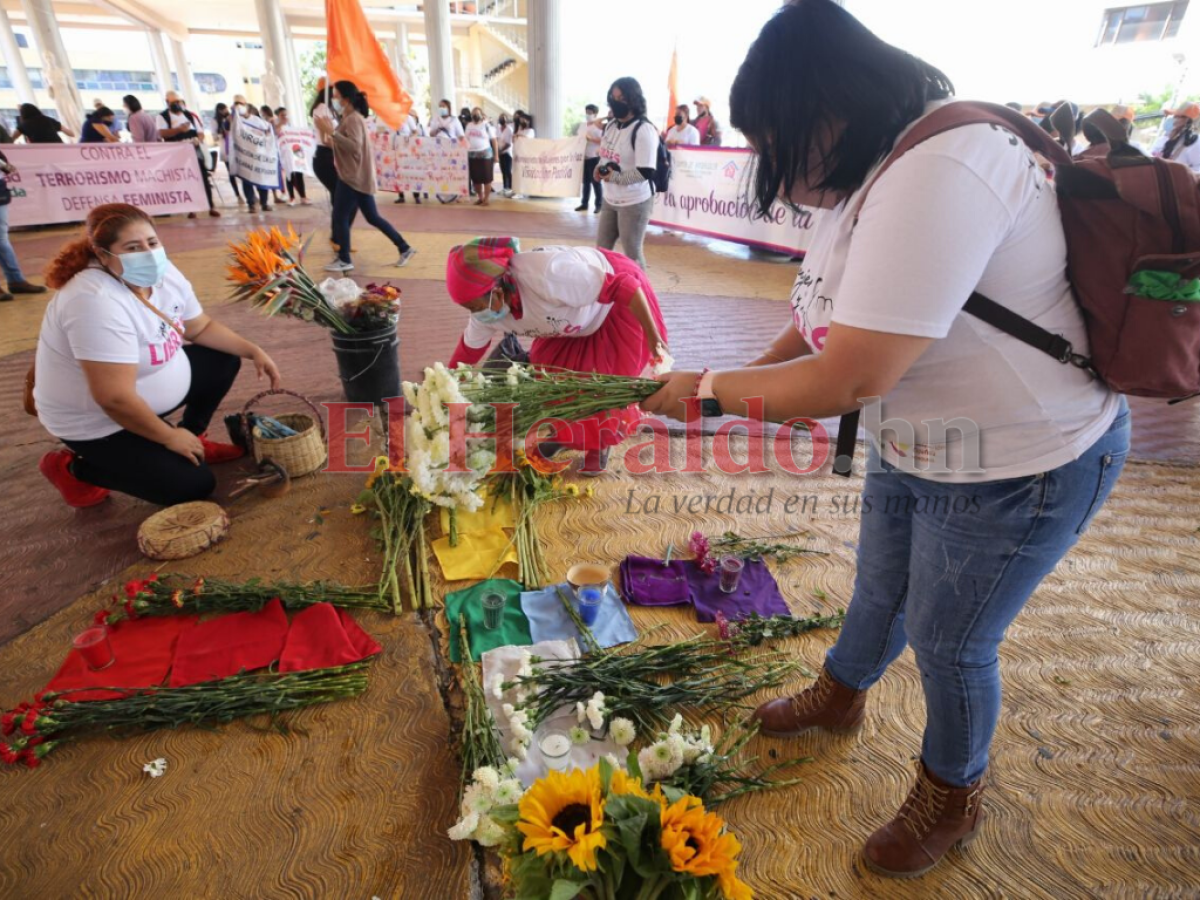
(622, 731)
(464, 828)
(477, 799)
(486, 777)
(508, 792)
(489, 832)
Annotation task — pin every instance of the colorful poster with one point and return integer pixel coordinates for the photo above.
(254, 153)
(544, 168)
(63, 182)
(708, 195)
(426, 165)
(296, 148)
(383, 142)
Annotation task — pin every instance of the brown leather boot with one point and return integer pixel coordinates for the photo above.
(827, 704)
(935, 817)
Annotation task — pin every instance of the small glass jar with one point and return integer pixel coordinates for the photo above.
(95, 646)
(730, 569)
(555, 747)
(493, 610)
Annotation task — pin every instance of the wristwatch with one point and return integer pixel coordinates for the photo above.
(710, 407)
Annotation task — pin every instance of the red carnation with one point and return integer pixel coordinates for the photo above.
(177, 598)
(7, 723)
(150, 579)
(133, 588)
(130, 611)
(9, 755)
(101, 617)
(29, 725)
(31, 759)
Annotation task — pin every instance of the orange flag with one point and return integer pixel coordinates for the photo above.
(353, 53)
(673, 86)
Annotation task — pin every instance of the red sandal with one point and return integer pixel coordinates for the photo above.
(218, 453)
(56, 466)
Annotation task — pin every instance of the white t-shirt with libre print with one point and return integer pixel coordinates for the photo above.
(559, 288)
(967, 210)
(479, 137)
(98, 319)
(617, 146)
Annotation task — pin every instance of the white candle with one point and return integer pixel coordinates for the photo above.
(555, 745)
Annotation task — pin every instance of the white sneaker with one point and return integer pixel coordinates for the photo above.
(338, 266)
(406, 256)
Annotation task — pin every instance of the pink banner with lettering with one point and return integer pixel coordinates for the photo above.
(708, 195)
(63, 182)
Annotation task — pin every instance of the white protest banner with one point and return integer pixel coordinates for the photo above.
(63, 182)
(429, 165)
(544, 168)
(707, 196)
(296, 148)
(254, 153)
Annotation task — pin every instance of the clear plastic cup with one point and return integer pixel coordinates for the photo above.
(730, 568)
(95, 647)
(493, 610)
(590, 599)
(555, 747)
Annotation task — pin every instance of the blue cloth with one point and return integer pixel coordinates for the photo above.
(548, 621)
(946, 568)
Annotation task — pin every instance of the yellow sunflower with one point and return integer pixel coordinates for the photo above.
(624, 783)
(695, 843)
(564, 811)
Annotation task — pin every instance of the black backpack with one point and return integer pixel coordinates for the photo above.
(662, 165)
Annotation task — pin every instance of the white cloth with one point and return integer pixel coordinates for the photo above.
(504, 140)
(684, 134)
(321, 111)
(594, 134)
(479, 137)
(617, 146)
(445, 126)
(967, 210)
(1189, 156)
(97, 319)
(559, 288)
(504, 662)
(526, 133)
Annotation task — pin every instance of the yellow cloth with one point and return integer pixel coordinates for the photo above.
(477, 555)
(483, 519)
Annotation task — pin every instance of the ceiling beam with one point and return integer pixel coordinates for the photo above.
(139, 15)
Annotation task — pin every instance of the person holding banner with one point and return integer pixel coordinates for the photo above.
(587, 309)
(355, 160)
(179, 124)
(244, 114)
(123, 344)
(293, 178)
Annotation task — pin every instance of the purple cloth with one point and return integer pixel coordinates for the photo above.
(647, 582)
(757, 592)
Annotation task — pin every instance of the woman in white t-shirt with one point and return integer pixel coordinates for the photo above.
(585, 309)
(684, 133)
(445, 123)
(628, 158)
(992, 457)
(124, 343)
(481, 155)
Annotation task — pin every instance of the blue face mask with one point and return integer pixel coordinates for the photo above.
(145, 268)
(491, 316)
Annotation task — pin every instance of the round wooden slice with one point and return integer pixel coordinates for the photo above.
(178, 532)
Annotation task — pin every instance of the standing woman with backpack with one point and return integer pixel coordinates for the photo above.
(628, 158)
(992, 458)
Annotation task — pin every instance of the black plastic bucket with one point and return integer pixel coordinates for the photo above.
(369, 364)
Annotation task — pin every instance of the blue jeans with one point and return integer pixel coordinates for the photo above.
(8, 259)
(346, 202)
(946, 568)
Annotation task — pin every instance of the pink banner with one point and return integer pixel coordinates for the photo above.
(63, 182)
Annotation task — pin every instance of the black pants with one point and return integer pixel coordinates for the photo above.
(295, 185)
(249, 190)
(324, 168)
(506, 170)
(590, 183)
(347, 202)
(206, 174)
(134, 465)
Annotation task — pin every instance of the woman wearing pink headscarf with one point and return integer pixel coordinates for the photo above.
(587, 309)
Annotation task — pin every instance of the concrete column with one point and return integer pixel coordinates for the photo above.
(292, 81)
(56, 67)
(475, 58)
(545, 66)
(162, 70)
(441, 55)
(408, 78)
(12, 58)
(187, 82)
(276, 90)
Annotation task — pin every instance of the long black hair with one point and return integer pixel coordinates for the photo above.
(352, 95)
(29, 113)
(631, 90)
(814, 68)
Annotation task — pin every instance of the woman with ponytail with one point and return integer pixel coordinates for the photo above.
(123, 344)
(355, 160)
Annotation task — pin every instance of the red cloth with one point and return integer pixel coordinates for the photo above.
(142, 653)
(617, 347)
(465, 354)
(473, 268)
(230, 644)
(322, 637)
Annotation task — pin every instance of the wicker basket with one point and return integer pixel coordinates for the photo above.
(301, 454)
(178, 532)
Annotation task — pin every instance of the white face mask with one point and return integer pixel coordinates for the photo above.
(143, 268)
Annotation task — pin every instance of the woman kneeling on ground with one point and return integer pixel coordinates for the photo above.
(109, 367)
(952, 544)
(587, 309)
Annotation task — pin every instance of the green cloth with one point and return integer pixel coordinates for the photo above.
(514, 627)
(1155, 285)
